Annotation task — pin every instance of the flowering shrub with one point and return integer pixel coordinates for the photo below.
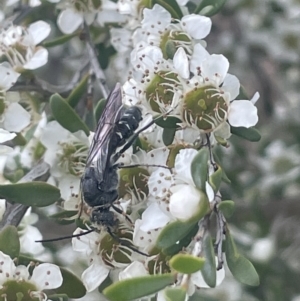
(169, 236)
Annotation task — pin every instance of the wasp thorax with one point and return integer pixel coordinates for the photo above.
(133, 180)
(205, 108)
(158, 93)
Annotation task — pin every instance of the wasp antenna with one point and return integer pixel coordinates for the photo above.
(66, 237)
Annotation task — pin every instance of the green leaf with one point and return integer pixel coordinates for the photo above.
(227, 208)
(66, 116)
(168, 122)
(134, 288)
(209, 7)
(99, 109)
(199, 168)
(9, 241)
(186, 263)
(215, 179)
(38, 194)
(240, 267)
(171, 6)
(71, 286)
(60, 40)
(208, 271)
(172, 233)
(64, 217)
(78, 92)
(250, 134)
(182, 243)
(168, 136)
(175, 294)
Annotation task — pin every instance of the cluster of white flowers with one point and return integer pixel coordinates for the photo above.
(170, 74)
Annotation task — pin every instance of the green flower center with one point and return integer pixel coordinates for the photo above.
(73, 157)
(13, 290)
(158, 93)
(171, 40)
(205, 107)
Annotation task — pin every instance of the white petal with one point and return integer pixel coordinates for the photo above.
(7, 267)
(183, 164)
(16, 118)
(40, 58)
(47, 276)
(28, 241)
(232, 85)
(68, 21)
(8, 76)
(85, 243)
(135, 269)
(5, 150)
(184, 203)
(153, 217)
(199, 55)
(215, 68)
(159, 182)
(39, 31)
(242, 113)
(6, 135)
(94, 275)
(210, 192)
(198, 27)
(181, 63)
(110, 16)
(255, 98)
(21, 273)
(34, 3)
(156, 19)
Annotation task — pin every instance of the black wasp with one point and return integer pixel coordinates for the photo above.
(99, 183)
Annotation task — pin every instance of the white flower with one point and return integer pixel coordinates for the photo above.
(13, 117)
(19, 45)
(44, 276)
(74, 13)
(159, 30)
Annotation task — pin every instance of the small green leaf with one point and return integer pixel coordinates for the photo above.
(71, 286)
(240, 267)
(209, 7)
(99, 109)
(78, 92)
(227, 208)
(171, 6)
(175, 294)
(182, 243)
(60, 40)
(250, 134)
(168, 122)
(66, 116)
(134, 288)
(208, 271)
(9, 241)
(172, 233)
(199, 168)
(168, 135)
(64, 217)
(215, 179)
(38, 194)
(186, 263)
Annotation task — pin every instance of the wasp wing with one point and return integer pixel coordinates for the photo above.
(98, 153)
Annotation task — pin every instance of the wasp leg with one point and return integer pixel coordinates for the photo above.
(125, 243)
(123, 213)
